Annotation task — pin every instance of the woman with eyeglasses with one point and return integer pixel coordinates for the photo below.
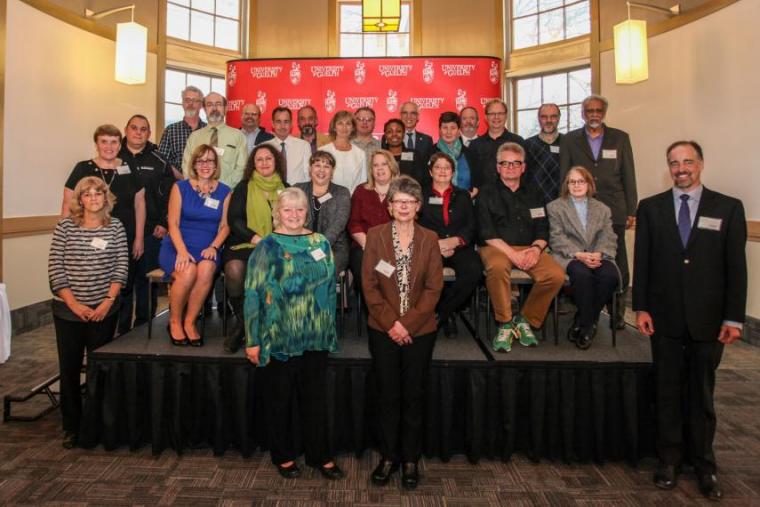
(402, 278)
(250, 221)
(583, 243)
(190, 253)
(87, 268)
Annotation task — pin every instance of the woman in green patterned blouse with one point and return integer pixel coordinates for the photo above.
(290, 328)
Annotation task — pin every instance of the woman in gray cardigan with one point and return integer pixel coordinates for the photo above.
(329, 206)
(582, 241)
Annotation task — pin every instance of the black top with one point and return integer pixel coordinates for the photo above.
(484, 148)
(156, 177)
(416, 167)
(237, 216)
(519, 218)
(124, 186)
(477, 178)
(461, 215)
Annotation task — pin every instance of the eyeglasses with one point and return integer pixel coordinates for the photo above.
(498, 113)
(96, 194)
(577, 182)
(364, 120)
(189, 100)
(206, 161)
(403, 203)
(517, 164)
(593, 111)
(409, 113)
(214, 104)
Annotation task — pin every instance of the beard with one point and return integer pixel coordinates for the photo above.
(307, 130)
(215, 116)
(191, 113)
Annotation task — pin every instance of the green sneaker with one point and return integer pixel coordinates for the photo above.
(503, 340)
(524, 332)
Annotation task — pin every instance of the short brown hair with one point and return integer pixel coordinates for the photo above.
(564, 191)
(75, 204)
(198, 153)
(107, 130)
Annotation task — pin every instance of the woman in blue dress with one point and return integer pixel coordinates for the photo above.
(190, 253)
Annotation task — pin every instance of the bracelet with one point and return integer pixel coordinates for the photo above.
(540, 250)
(111, 298)
(213, 246)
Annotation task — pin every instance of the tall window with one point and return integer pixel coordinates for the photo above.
(210, 22)
(176, 81)
(355, 43)
(566, 89)
(537, 22)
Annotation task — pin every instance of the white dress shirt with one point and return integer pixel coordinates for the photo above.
(297, 155)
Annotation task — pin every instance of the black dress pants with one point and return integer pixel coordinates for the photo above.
(401, 375)
(685, 382)
(73, 338)
(469, 269)
(592, 289)
(301, 380)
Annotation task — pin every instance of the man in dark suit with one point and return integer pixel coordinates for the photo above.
(254, 133)
(606, 152)
(689, 294)
(421, 143)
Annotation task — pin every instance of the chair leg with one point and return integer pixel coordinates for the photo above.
(488, 315)
(613, 316)
(203, 322)
(358, 313)
(151, 309)
(224, 302)
(555, 315)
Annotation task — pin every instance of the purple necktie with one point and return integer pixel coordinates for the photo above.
(684, 220)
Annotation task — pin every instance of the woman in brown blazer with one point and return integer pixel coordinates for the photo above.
(402, 279)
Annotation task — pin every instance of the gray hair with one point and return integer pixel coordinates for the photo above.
(193, 89)
(513, 147)
(604, 101)
(405, 185)
(290, 194)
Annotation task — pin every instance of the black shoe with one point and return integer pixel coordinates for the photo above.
(232, 343)
(619, 322)
(448, 327)
(410, 476)
(179, 343)
(289, 472)
(382, 473)
(586, 337)
(333, 473)
(666, 476)
(454, 328)
(69, 440)
(708, 486)
(196, 343)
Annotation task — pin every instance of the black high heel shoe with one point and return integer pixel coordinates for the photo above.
(178, 343)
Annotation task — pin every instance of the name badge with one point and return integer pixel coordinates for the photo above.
(436, 200)
(219, 151)
(710, 224)
(212, 203)
(609, 153)
(99, 243)
(145, 168)
(537, 213)
(407, 155)
(554, 149)
(123, 169)
(385, 268)
(318, 254)
(324, 199)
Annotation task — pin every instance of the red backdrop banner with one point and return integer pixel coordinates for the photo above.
(435, 84)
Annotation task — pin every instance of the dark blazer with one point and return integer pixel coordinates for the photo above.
(477, 178)
(423, 145)
(416, 168)
(567, 236)
(615, 178)
(262, 137)
(333, 217)
(237, 216)
(694, 288)
(461, 215)
(381, 292)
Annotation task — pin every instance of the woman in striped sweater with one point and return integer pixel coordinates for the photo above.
(87, 267)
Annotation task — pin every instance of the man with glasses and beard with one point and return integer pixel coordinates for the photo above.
(174, 138)
(307, 125)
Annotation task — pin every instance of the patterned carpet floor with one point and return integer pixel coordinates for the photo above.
(36, 470)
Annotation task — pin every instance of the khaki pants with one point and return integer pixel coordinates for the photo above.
(548, 278)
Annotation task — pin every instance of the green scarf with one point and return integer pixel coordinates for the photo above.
(260, 201)
(453, 152)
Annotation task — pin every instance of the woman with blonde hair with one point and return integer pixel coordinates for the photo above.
(350, 160)
(190, 253)
(87, 268)
(290, 329)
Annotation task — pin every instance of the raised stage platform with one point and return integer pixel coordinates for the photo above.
(555, 402)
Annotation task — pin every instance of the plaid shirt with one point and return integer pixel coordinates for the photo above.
(542, 161)
(173, 142)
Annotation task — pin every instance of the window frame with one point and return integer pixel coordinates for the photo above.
(242, 22)
(410, 47)
(185, 71)
(536, 14)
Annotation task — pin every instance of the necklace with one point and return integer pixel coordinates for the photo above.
(114, 172)
(203, 195)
